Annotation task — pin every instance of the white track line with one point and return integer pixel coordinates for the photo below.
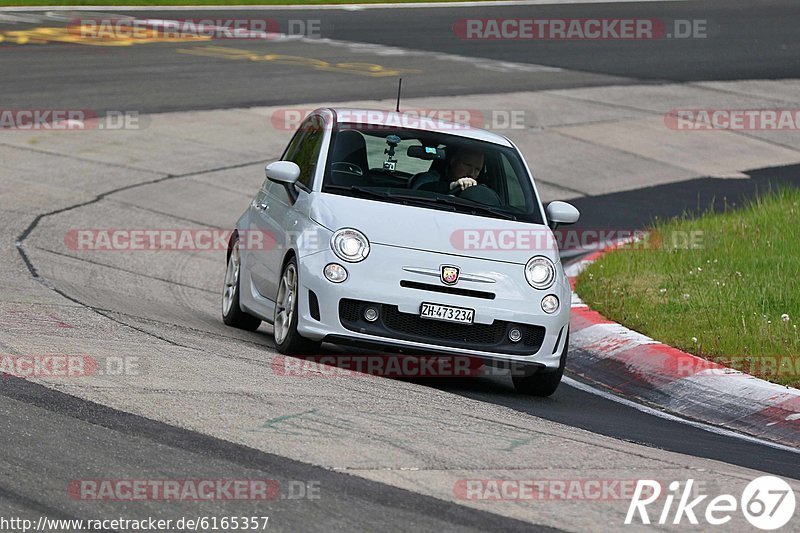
(661, 414)
(396, 51)
(343, 7)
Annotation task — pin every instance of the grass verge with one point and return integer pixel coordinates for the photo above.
(723, 286)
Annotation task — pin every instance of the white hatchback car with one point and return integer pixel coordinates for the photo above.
(393, 233)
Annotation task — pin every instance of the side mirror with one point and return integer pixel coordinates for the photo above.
(284, 172)
(561, 213)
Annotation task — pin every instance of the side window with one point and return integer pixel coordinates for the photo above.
(516, 197)
(304, 149)
(291, 148)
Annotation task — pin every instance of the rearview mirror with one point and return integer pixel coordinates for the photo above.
(561, 213)
(285, 172)
(428, 153)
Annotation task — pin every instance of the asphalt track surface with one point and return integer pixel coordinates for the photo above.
(109, 439)
(741, 43)
(39, 423)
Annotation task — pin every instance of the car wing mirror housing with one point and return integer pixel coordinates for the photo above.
(561, 213)
(285, 173)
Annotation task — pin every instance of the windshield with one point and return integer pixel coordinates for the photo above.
(432, 170)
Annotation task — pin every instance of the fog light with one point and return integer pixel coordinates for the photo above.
(550, 304)
(335, 273)
(515, 335)
(370, 314)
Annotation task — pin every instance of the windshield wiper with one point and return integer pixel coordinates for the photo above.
(356, 188)
(475, 207)
(493, 210)
(385, 195)
(453, 204)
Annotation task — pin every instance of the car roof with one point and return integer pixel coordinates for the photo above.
(415, 120)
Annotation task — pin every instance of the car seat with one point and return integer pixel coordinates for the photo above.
(437, 170)
(350, 147)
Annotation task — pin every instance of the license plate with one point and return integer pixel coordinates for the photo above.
(447, 313)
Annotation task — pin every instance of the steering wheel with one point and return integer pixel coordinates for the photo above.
(347, 168)
(480, 194)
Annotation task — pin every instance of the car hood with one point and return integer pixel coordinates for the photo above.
(434, 230)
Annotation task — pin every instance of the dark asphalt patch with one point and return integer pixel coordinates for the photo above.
(95, 441)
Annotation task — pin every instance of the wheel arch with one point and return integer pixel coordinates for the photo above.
(290, 253)
(234, 235)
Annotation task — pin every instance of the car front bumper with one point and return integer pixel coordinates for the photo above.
(398, 280)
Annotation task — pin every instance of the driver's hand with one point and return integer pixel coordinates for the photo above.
(463, 183)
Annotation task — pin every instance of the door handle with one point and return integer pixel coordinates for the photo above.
(262, 205)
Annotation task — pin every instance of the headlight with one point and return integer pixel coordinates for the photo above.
(540, 272)
(550, 304)
(350, 245)
(335, 273)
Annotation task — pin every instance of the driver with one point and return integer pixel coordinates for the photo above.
(462, 172)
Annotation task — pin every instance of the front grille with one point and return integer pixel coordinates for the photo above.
(437, 329)
(348, 310)
(407, 326)
(447, 290)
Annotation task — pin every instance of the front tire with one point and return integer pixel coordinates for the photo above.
(287, 340)
(543, 384)
(232, 314)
